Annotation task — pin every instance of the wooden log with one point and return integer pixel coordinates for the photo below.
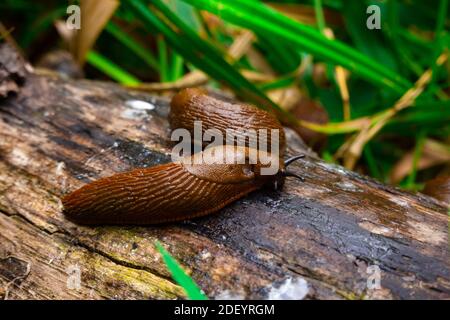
(325, 238)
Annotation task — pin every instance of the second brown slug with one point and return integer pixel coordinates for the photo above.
(194, 104)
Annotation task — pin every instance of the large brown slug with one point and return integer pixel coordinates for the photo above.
(170, 192)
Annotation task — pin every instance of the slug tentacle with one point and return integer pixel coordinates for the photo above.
(292, 159)
(287, 173)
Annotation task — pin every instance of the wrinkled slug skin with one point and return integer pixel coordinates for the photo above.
(159, 194)
(194, 104)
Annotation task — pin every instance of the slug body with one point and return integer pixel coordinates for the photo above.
(195, 104)
(170, 192)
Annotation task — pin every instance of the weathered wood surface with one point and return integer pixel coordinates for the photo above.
(56, 135)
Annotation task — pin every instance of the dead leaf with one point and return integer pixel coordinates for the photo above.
(95, 14)
(434, 153)
(312, 111)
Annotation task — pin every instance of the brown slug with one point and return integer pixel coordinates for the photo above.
(194, 104)
(174, 191)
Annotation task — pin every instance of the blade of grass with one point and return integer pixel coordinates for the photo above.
(163, 65)
(176, 66)
(415, 40)
(111, 69)
(278, 83)
(439, 36)
(179, 275)
(372, 163)
(318, 10)
(410, 182)
(327, 156)
(131, 44)
(433, 113)
(392, 31)
(319, 15)
(283, 58)
(40, 25)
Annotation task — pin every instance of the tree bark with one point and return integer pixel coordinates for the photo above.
(325, 238)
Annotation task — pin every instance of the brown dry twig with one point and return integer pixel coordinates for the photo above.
(341, 79)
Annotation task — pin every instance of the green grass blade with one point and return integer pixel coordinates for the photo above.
(410, 182)
(187, 283)
(176, 66)
(372, 162)
(41, 25)
(111, 69)
(131, 44)
(282, 58)
(319, 15)
(282, 82)
(163, 64)
(433, 116)
(439, 38)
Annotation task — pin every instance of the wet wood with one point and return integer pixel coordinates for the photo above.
(327, 233)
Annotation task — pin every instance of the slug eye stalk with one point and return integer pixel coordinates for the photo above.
(289, 173)
(292, 159)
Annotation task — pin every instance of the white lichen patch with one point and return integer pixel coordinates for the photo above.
(376, 229)
(399, 201)
(134, 114)
(59, 170)
(139, 105)
(290, 289)
(19, 158)
(205, 255)
(347, 186)
(425, 233)
(333, 168)
(410, 278)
